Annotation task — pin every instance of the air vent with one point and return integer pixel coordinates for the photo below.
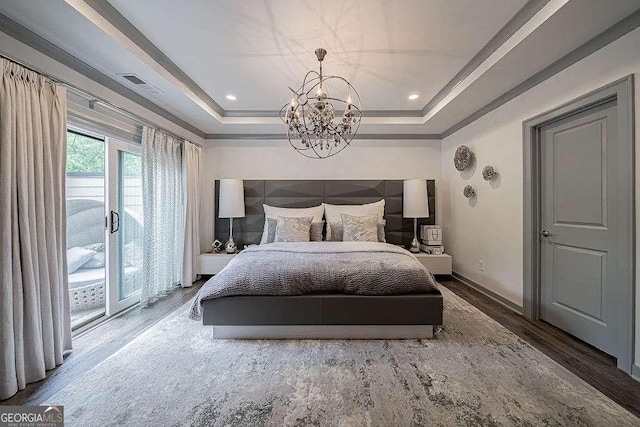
(141, 84)
(134, 79)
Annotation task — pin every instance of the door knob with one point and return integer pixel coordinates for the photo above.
(545, 233)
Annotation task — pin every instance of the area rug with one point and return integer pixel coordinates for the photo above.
(475, 372)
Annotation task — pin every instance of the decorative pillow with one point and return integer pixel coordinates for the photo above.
(99, 259)
(293, 229)
(77, 257)
(315, 232)
(381, 234)
(335, 232)
(271, 230)
(332, 213)
(274, 212)
(359, 228)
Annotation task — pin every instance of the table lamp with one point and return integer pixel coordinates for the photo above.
(415, 204)
(231, 206)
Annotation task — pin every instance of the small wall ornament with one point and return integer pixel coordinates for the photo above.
(468, 191)
(489, 172)
(463, 158)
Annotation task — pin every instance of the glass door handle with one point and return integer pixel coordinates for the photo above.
(115, 222)
(545, 233)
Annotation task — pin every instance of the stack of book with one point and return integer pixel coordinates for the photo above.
(431, 239)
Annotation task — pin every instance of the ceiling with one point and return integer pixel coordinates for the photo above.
(457, 55)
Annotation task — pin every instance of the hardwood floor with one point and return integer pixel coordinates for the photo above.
(592, 365)
(588, 363)
(92, 346)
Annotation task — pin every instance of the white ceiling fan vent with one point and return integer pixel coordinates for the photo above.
(138, 82)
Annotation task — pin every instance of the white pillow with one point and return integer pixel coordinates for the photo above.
(274, 212)
(333, 213)
(77, 257)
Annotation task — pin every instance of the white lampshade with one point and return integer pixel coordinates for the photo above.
(231, 198)
(415, 201)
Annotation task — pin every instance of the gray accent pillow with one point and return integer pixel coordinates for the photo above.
(293, 229)
(271, 230)
(335, 231)
(315, 232)
(359, 228)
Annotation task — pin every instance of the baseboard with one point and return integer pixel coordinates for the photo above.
(478, 287)
(635, 372)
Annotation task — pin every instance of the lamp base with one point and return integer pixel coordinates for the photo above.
(415, 246)
(231, 247)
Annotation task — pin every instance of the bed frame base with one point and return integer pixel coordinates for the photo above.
(323, 332)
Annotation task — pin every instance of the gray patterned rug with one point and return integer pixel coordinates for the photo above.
(475, 373)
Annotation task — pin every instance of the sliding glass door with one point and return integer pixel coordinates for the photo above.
(86, 253)
(104, 225)
(125, 224)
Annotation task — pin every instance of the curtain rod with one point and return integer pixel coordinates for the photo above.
(75, 88)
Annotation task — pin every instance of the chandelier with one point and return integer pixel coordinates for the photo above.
(323, 115)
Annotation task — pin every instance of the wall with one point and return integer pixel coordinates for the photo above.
(492, 229)
(278, 160)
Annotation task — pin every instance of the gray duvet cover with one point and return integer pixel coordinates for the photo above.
(356, 268)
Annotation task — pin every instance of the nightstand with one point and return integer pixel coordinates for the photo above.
(436, 264)
(212, 263)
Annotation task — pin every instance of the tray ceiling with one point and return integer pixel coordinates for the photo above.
(457, 55)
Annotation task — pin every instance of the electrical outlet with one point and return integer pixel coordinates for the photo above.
(480, 265)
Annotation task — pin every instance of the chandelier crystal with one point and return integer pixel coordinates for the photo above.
(315, 127)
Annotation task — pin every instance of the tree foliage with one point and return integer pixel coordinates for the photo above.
(86, 155)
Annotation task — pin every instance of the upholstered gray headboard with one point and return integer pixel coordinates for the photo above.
(307, 193)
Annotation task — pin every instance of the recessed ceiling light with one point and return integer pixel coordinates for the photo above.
(231, 97)
(414, 96)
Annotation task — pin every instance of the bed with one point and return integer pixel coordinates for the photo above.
(356, 290)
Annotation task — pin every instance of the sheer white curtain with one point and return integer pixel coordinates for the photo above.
(35, 328)
(191, 172)
(162, 189)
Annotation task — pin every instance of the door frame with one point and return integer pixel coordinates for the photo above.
(622, 92)
(113, 303)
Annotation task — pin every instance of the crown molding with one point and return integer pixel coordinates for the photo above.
(603, 39)
(282, 136)
(510, 28)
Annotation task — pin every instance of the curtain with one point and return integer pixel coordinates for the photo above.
(191, 172)
(162, 204)
(34, 302)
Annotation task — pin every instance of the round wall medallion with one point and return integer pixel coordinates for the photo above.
(462, 158)
(468, 191)
(488, 173)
